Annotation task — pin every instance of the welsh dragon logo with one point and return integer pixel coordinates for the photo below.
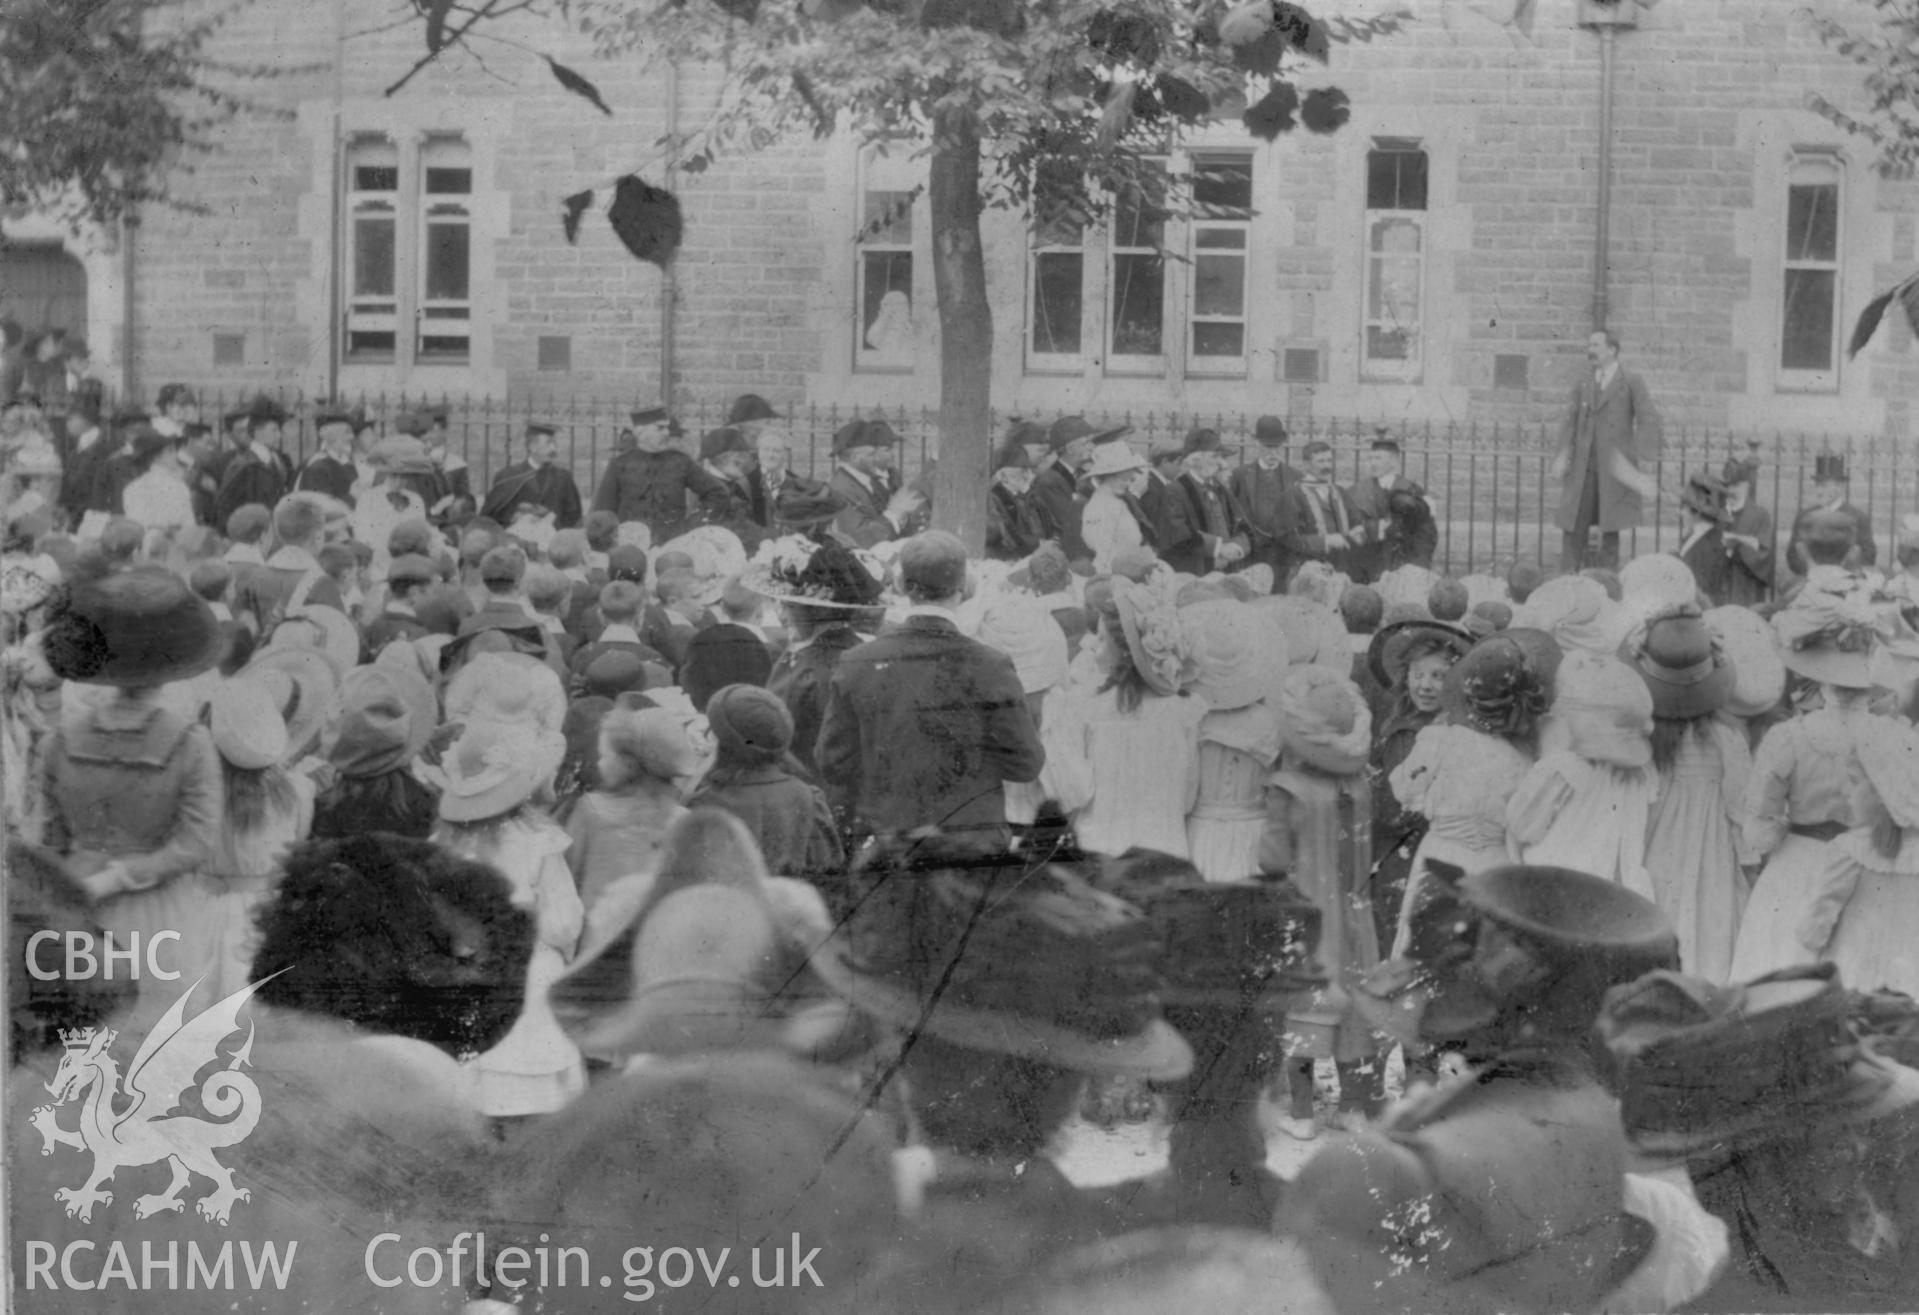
(154, 1126)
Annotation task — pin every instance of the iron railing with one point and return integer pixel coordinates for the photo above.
(1488, 482)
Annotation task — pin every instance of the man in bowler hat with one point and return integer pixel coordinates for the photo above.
(1199, 530)
(1260, 488)
(873, 512)
(1829, 485)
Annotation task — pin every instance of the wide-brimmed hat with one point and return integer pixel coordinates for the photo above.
(1023, 628)
(326, 628)
(1606, 709)
(401, 454)
(513, 688)
(265, 409)
(494, 767)
(139, 626)
(1238, 650)
(1703, 1068)
(1114, 458)
(1688, 674)
(1230, 944)
(1386, 654)
(1156, 639)
(244, 719)
(1656, 582)
(748, 407)
(816, 572)
(863, 433)
(387, 715)
(983, 951)
(302, 682)
(1829, 635)
(1577, 612)
(1758, 672)
(1324, 721)
(1498, 687)
(1068, 428)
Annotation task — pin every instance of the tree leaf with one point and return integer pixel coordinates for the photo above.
(1306, 34)
(578, 85)
(1325, 109)
(1274, 112)
(1182, 99)
(436, 12)
(646, 219)
(576, 205)
(1124, 38)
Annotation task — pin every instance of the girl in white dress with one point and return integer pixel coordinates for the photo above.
(1241, 657)
(1108, 524)
(1586, 805)
(488, 813)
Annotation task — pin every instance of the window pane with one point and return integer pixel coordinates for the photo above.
(376, 178)
(1394, 295)
(1139, 300)
(1806, 343)
(373, 257)
(1396, 180)
(362, 343)
(1396, 236)
(1056, 301)
(1383, 344)
(1220, 239)
(1812, 221)
(1138, 221)
(1219, 285)
(443, 346)
(446, 261)
(893, 212)
(1223, 182)
(1219, 339)
(886, 309)
(449, 182)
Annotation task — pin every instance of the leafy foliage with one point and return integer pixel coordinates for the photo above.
(101, 99)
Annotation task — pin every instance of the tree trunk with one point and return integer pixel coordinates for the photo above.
(966, 330)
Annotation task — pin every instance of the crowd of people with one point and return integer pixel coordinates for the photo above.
(733, 854)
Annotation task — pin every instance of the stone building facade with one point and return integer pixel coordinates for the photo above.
(1430, 262)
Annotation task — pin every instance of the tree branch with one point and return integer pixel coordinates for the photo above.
(484, 11)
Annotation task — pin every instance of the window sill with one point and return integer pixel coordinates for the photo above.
(1810, 385)
(897, 370)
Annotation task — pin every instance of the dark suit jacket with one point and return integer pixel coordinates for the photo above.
(325, 475)
(1749, 571)
(1413, 539)
(1600, 426)
(922, 727)
(1195, 518)
(1862, 539)
(722, 654)
(793, 487)
(1055, 497)
(1308, 540)
(801, 678)
(862, 520)
(389, 626)
(248, 479)
(1707, 558)
(1261, 498)
(549, 487)
(1012, 525)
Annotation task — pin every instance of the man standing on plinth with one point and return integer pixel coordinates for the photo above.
(1606, 449)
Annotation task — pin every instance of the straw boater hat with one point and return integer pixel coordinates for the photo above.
(246, 724)
(494, 768)
(1238, 650)
(1386, 653)
(1685, 670)
(822, 573)
(1606, 710)
(137, 627)
(987, 953)
(1758, 672)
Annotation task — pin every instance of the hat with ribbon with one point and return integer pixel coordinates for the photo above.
(1688, 674)
(1830, 629)
(1386, 656)
(986, 952)
(1606, 709)
(1577, 612)
(1115, 457)
(1156, 638)
(511, 688)
(1498, 687)
(302, 682)
(387, 716)
(494, 767)
(246, 725)
(817, 572)
(136, 627)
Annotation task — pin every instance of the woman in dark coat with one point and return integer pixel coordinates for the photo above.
(828, 602)
(788, 816)
(1410, 660)
(388, 715)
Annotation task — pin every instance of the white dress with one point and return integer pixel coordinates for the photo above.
(1144, 768)
(535, 1068)
(1798, 785)
(1109, 528)
(242, 875)
(1570, 812)
(1692, 851)
(1237, 750)
(1459, 779)
(1864, 913)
